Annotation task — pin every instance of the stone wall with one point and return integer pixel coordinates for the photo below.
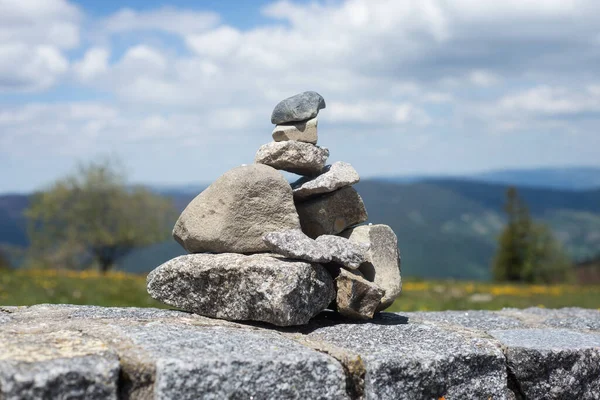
(65, 351)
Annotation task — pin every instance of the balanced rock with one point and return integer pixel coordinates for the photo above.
(332, 213)
(257, 287)
(383, 259)
(338, 175)
(303, 131)
(295, 244)
(343, 251)
(293, 156)
(300, 107)
(356, 297)
(234, 212)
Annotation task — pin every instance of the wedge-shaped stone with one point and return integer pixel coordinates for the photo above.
(336, 176)
(300, 107)
(382, 264)
(234, 212)
(332, 213)
(552, 363)
(293, 156)
(302, 131)
(356, 297)
(349, 254)
(259, 287)
(295, 244)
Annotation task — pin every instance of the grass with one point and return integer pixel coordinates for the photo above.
(27, 287)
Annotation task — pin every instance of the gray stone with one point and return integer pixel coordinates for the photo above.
(477, 320)
(303, 131)
(218, 363)
(56, 365)
(552, 363)
(295, 244)
(406, 361)
(383, 259)
(259, 287)
(332, 213)
(234, 212)
(293, 156)
(164, 354)
(300, 107)
(343, 251)
(569, 317)
(356, 297)
(335, 176)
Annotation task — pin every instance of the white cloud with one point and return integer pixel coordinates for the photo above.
(33, 36)
(448, 75)
(93, 64)
(166, 19)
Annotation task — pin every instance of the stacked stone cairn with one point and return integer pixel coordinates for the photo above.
(264, 250)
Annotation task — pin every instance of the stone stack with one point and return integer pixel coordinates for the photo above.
(264, 250)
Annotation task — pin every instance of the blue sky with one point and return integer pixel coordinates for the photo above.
(182, 91)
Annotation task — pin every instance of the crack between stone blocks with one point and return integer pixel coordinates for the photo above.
(352, 364)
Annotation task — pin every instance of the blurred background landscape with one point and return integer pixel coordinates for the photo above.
(114, 116)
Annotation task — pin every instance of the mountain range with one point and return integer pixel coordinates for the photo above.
(446, 227)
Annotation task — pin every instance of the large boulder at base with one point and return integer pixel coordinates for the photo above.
(295, 244)
(336, 176)
(332, 213)
(300, 107)
(302, 131)
(356, 297)
(383, 259)
(293, 156)
(258, 287)
(233, 214)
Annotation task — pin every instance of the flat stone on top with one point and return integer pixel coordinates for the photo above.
(293, 156)
(300, 107)
(333, 177)
(302, 131)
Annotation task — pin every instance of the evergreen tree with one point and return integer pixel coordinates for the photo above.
(527, 251)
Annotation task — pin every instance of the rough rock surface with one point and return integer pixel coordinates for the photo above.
(234, 212)
(356, 297)
(383, 260)
(336, 176)
(300, 107)
(293, 156)
(295, 244)
(332, 213)
(408, 361)
(230, 286)
(545, 363)
(167, 354)
(163, 354)
(343, 251)
(303, 131)
(55, 365)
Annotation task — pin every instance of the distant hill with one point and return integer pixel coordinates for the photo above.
(566, 178)
(445, 227)
(574, 178)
